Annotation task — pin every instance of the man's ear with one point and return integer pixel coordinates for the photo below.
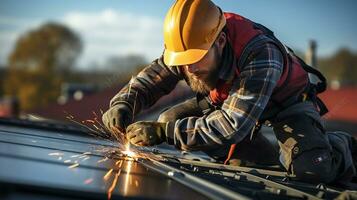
(221, 40)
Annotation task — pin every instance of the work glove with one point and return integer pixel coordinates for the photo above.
(117, 117)
(146, 133)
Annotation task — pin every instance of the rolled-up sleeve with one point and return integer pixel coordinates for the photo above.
(239, 113)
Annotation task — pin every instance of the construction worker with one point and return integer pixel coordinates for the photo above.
(243, 77)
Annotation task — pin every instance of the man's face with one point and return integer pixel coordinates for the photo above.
(203, 75)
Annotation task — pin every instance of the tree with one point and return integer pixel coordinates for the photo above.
(342, 66)
(122, 68)
(41, 60)
(2, 76)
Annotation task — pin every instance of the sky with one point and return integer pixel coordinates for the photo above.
(122, 27)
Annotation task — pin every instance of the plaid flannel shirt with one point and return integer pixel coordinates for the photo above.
(259, 73)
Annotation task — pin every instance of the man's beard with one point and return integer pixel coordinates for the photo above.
(204, 86)
(197, 85)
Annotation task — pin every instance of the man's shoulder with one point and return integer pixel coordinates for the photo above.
(258, 45)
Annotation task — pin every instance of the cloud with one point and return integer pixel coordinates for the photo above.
(7, 40)
(10, 30)
(104, 34)
(112, 32)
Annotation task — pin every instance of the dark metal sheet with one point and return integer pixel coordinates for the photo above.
(29, 163)
(55, 134)
(35, 162)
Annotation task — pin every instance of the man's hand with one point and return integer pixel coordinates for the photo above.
(145, 133)
(118, 116)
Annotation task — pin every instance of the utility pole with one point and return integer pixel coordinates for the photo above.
(311, 54)
(311, 59)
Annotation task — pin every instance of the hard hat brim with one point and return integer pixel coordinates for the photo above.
(187, 57)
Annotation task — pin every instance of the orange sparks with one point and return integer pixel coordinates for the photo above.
(88, 181)
(107, 175)
(68, 115)
(88, 121)
(128, 180)
(136, 96)
(119, 163)
(115, 129)
(103, 150)
(130, 83)
(114, 132)
(73, 166)
(83, 156)
(96, 127)
(90, 124)
(110, 190)
(86, 158)
(102, 160)
(95, 114)
(55, 154)
(129, 153)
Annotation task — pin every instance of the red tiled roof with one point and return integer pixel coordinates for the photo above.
(83, 109)
(342, 104)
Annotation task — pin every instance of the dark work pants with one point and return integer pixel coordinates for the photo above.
(305, 150)
(310, 154)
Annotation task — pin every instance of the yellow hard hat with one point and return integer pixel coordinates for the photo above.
(190, 28)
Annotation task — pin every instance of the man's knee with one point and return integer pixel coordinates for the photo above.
(314, 166)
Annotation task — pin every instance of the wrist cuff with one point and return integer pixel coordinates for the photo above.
(130, 107)
(170, 132)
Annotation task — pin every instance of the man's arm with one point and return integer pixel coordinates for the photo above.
(240, 111)
(148, 86)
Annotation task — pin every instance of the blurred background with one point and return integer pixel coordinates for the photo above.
(70, 57)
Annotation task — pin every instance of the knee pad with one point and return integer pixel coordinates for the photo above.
(314, 166)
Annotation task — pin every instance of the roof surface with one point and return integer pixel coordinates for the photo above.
(49, 160)
(62, 164)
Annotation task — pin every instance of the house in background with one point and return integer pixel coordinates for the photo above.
(342, 107)
(342, 113)
(83, 108)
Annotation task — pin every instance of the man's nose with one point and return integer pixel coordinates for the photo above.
(192, 68)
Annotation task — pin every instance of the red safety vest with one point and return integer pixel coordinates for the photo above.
(294, 79)
(293, 82)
